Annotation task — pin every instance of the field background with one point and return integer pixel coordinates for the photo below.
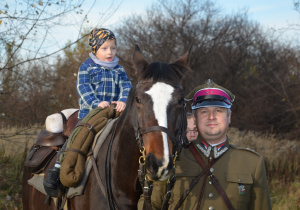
(281, 156)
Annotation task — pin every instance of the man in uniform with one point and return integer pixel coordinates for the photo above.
(211, 173)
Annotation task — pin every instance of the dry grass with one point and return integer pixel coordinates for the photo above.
(14, 140)
(281, 156)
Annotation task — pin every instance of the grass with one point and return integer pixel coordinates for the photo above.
(10, 181)
(281, 155)
(285, 196)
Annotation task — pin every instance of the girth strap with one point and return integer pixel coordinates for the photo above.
(100, 183)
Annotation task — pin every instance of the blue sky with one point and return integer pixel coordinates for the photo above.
(270, 13)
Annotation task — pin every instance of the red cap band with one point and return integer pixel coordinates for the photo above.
(211, 91)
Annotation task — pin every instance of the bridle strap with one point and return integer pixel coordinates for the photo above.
(159, 128)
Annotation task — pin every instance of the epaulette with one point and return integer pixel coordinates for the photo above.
(244, 148)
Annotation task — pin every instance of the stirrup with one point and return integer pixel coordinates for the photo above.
(52, 182)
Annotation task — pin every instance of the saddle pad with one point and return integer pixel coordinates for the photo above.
(37, 180)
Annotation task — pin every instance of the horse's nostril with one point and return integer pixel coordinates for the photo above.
(152, 164)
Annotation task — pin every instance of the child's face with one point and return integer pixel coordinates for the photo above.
(107, 51)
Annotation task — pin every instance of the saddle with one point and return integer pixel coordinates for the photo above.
(49, 141)
(43, 150)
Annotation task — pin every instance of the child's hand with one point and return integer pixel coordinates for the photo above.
(120, 105)
(103, 104)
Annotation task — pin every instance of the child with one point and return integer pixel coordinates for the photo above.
(101, 81)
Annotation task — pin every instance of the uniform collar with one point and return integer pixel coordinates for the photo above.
(212, 151)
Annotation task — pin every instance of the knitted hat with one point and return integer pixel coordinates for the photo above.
(210, 94)
(98, 36)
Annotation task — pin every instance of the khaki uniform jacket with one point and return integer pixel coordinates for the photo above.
(240, 172)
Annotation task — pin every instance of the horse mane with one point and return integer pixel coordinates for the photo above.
(158, 72)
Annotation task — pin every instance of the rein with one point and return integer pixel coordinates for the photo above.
(109, 193)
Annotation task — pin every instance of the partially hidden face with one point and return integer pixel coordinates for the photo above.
(107, 51)
(191, 130)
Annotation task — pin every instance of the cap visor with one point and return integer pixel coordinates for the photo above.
(208, 103)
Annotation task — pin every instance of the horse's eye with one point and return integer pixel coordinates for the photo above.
(181, 101)
(138, 100)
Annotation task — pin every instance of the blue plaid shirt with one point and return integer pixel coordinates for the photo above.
(96, 83)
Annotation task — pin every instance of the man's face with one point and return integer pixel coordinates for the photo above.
(212, 123)
(191, 131)
(107, 51)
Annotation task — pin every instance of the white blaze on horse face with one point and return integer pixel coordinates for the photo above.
(161, 95)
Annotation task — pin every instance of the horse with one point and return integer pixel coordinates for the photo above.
(149, 133)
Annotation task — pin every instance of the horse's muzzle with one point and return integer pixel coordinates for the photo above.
(157, 169)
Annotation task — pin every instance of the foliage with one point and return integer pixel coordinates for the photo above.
(28, 43)
(231, 50)
(66, 75)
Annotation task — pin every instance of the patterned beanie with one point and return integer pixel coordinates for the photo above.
(98, 36)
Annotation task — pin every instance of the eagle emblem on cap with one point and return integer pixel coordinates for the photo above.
(210, 83)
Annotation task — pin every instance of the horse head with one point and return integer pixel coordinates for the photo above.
(160, 120)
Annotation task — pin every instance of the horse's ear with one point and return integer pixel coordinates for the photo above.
(184, 59)
(182, 64)
(139, 60)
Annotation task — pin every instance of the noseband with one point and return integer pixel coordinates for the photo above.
(178, 140)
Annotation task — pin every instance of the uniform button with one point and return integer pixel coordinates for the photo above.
(240, 179)
(212, 170)
(210, 195)
(211, 208)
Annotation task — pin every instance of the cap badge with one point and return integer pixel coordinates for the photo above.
(210, 83)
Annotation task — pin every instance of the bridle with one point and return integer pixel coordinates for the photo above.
(179, 140)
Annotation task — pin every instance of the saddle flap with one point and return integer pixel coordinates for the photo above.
(46, 138)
